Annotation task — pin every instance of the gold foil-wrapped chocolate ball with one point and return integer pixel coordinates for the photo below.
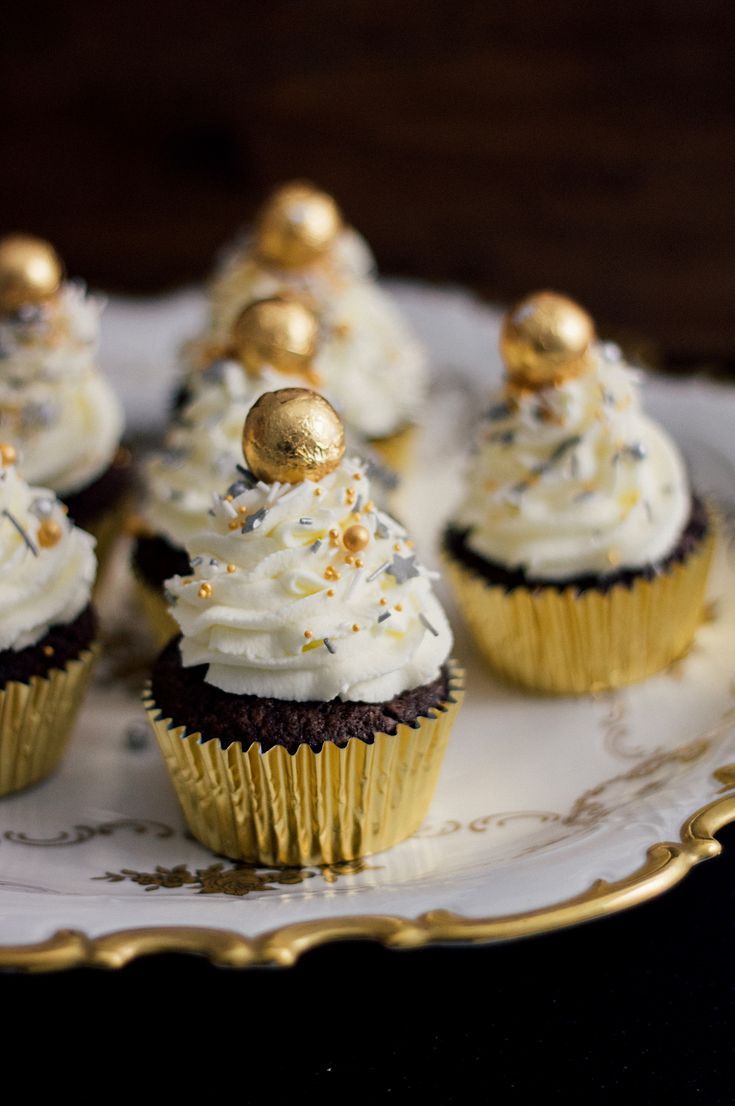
(545, 339)
(279, 331)
(292, 435)
(30, 271)
(297, 224)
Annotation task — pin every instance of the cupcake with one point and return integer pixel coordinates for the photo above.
(304, 711)
(55, 407)
(47, 626)
(579, 554)
(370, 365)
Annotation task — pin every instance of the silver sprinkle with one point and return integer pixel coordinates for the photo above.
(306, 522)
(316, 545)
(42, 507)
(330, 648)
(11, 518)
(378, 572)
(254, 521)
(382, 617)
(424, 620)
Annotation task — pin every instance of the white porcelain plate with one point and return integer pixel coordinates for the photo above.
(548, 811)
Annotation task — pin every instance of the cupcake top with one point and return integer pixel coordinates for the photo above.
(272, 341)
(569, 476)
(54, 405)
(368, 361)
(300, 588)
(48, 564)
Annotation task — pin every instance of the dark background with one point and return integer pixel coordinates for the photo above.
(587, 147)
(584, 146)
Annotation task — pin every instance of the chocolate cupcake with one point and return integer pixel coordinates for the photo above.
(47, 627)
(304, 711)
(579, 554)
(369, 364)
(55, 406)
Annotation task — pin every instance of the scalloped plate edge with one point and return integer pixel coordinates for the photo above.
(665, 865)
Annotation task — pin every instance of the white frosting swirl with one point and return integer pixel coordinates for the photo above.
(370, 365)
(277, 611)
(39, 587)
(202, 449)
(575, 479)
(54, 405)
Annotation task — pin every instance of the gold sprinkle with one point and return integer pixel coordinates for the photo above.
(8, 454)
(383, 601)
(331, 573)
(317, 491)
(357, 516)
(48, 650)
(229, 498)
(355, 628)
(205, 591)
(349, 559)
(369, 506)
(330, 593)
(335, 537)
(398, 607)
(242, 509)
(359, 563)
(234, 524)
(49, 533)
(357, 476)
(397, 547)
(308, 634)
(232, 568)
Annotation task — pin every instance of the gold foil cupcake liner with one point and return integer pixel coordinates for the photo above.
(395, 450)
(306, 808)
(563, 642)
(36, 720)
(106, 529)
(161, 624)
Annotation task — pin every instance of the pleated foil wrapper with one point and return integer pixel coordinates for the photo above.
(563, 642)
(36, 720)
(106, 529)
(395, 450)
(153, 603)
(307, 808)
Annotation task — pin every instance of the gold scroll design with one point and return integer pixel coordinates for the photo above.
(238, 879)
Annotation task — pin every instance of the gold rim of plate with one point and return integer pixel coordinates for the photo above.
(666, 864)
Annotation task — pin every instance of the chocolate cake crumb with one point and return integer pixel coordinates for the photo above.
(61, 644)
(155, 560)
(697, 528)
(183, 695)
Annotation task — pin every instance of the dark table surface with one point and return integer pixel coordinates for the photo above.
(639, 1007)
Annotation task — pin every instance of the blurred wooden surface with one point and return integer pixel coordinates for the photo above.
(587, 147)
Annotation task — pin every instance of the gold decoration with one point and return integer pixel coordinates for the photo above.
(36, 719)
(297, 225)
(8, 454)
(278, 808)
(49, 533)
(545, 338)
(205, 591)
(280, 331)
(292, 435)
(30, 271)
(561, 642)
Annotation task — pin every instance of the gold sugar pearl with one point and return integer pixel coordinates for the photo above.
(331, 573)
(317, 491)
(359, 563)
(8, 454)
(383, 601)
(356, 538)
(234, 524)
(48, 650)
(397, 547)
(330, 593)
(229, 498)
(349, 559)
(357, 476)
(49, 533)
(335, 537)
(398, 607)
(232, 568)
(355, 628)
(205, 591)
(369, 506)
(308, 634)
(242, 509)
